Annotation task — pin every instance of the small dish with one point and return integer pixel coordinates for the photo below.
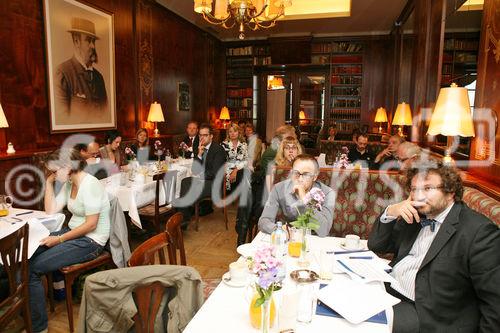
(304, 276)
(360, 247)
(226, 278)
(246, 250)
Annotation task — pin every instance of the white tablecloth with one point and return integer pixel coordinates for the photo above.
(227, 309)
(137, 194)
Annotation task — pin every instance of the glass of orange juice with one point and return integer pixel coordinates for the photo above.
(5, 204)
(295, 243)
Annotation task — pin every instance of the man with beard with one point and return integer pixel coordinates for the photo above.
(80, 89)
(446, 262)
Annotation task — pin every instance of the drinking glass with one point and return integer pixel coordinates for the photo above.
(295, 243)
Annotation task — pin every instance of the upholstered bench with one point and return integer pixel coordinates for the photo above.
(482, 203)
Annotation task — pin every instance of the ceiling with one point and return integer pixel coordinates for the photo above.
(368, 17)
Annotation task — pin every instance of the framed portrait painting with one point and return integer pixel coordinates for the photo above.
(80, 66)
(183, 97)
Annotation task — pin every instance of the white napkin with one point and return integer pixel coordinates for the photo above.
(322, 160)
(354, 301)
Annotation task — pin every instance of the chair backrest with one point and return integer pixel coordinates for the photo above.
(14, 257)
(144, 254)
(147, 299)
(175, 232)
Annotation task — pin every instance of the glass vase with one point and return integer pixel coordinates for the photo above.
(263, 314)
(303, 261)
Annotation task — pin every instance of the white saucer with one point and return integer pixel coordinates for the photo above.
(360, 247)
(231, 283)
(246, 250)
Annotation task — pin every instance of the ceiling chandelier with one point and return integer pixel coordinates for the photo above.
(255, 14)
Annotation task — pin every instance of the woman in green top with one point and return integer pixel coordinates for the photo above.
(88, 229)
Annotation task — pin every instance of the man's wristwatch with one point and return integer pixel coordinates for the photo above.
(61, 240)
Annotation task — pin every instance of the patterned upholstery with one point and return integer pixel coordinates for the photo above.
(209, 286)
(360, 197)
(482, 203)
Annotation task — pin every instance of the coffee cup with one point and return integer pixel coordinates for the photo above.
(352, 241)
(238, 272)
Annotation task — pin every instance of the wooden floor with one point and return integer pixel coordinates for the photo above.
(210, 250)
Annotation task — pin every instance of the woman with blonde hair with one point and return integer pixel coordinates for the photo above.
(238, 174)
(288, 149)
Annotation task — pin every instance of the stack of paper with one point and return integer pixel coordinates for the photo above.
(356, 302)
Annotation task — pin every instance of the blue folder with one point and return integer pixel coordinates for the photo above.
(324, 310)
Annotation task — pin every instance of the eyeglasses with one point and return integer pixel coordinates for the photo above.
(425, 189)
(305, 175)
(203, 135)
(291, 147)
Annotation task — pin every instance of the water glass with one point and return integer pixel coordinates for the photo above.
(326, 260)
(306, 302)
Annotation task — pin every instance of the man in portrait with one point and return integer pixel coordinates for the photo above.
(80, 91)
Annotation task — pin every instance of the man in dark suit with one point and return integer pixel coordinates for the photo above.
(207, 164)
(446, 256)
(191, 139)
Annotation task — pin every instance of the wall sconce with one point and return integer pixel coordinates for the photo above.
(3, 120)
(402, 117)
(381, 117)
(224, 116)
(452, 117)
(156, 115)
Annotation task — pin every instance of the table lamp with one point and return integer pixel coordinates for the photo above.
(224, 116)
(3, 119)
(402, 117)
(452, 116)
(156, 115)
(381, 117)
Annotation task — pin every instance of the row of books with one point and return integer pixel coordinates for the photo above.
(239, 102)
(336, 47)
(240, 51)
(447, 69)
(346, 102)
(349, 114)
(239, 62)
(337, 79)
(260, 61)
(240, 93)
(347, 69)
(465, 57)
(346, 91)
(240, 114)
(461, 44)
(346, 127)
(239, 82)
(238, 72)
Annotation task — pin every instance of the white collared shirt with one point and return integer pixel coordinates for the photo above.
(405, 271)
(80, 60)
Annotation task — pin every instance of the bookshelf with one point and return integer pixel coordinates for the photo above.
(345, 60)
(240, 63)
(459, 58)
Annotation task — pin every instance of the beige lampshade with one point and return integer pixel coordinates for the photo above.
(221, 9)
(201, 6)
(402, 117)
(224, 114)
(381, 116)
(3, 119)
(155, 113)
(452, 114)
(302, 115)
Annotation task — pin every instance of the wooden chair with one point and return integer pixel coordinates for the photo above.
(144, 254)
(156, 212)
(147, 299)
(15, 263)
(175, 233)
(70, 274)
(224, 207)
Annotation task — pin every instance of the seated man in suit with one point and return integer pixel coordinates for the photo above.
(208, 162)
(289, 197)
(191, 139)
(446, 256)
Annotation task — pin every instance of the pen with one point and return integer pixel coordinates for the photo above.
(24, 213)
(361, 257)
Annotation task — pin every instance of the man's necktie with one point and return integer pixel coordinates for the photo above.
(428, 222)
(191, 142)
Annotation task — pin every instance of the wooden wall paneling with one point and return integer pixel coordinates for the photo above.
(293, 50)
(488, 94)
(429, 36)
(376, 59)
(145, 67)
